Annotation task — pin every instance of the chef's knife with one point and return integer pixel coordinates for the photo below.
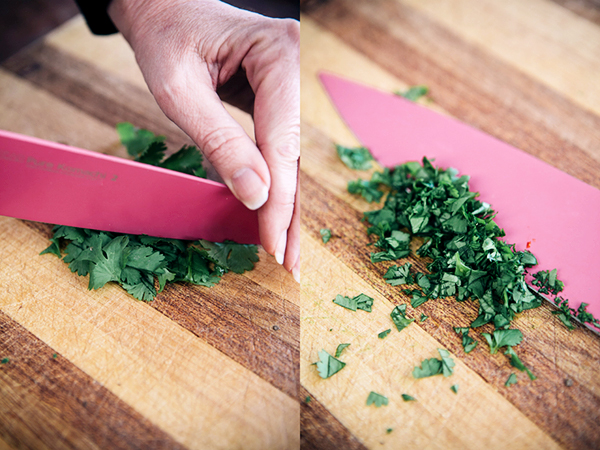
(555, 216)
(48, 182)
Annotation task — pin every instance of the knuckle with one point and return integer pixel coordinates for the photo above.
(218, 145)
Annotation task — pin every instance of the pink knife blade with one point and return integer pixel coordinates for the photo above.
(537, 204)
(48, 182)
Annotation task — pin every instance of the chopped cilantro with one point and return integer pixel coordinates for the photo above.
(307, 399)
(408, 398)
(54, 355)
(361, 301)
(4, 361)
(413, 93)
(433, 366)
(547, 282)
(328, 365)
(398, 275)
(340, 349)
(423, 318)
(368, 189)
(515, 361)
(376, 399)
(512, 379)
(468, 342)
(399, 318)
(389, 430)
(325, 235)
(357, 158)
(454, 388)
(383, 334)
(501, 338)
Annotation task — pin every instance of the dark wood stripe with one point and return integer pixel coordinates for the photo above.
(546, 401)
(205, 312)
(250, 324)
(93, 91)
(588, 9)
(48, 403)
(320, 430)
(475, 88)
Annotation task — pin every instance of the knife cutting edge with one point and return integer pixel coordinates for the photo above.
(554, 215)
(54, 183)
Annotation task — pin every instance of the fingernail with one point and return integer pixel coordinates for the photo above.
(280, 249)
(296, 273)
(249, 188)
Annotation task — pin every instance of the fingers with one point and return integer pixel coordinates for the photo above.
(192, 103)
(274, 75)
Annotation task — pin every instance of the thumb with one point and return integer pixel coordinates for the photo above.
(199, 112)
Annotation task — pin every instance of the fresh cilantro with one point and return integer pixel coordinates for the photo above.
(468, 342)
(376, 399)
(136, 140)
(356, 158)
(515, 361)
(564, 312)
(501, 338)
(423, 318)
(399, 318)
(454, 388)
(340, 349)
(368, 189)
(4, 361)
(325, 235)
(413, 93)
(399, 275)
(361, 301)
(547, 282)
(235, 257)
(307, 399)
(429, 367)
(389, 430)
(328, 365)
(54, 355)
(383, 334)
(408, 398)
(512, 379)
(433, 366)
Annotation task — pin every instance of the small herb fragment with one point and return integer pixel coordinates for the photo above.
(361, 301)
(389, 430)
(413, 93)
(340, 349)
(408, 398)
(376, 399)
(398, 275)
(468, 342)
(4, 361)
(515, 361)
(423, 318)
(547, 282)
(383, 334)
(399, 318)
(368, 189)
(512, 379)
(325, 235)
(454, 388)
(328, 365)
(307, 399)
(356, 158)
(501, 338)
(433, 366)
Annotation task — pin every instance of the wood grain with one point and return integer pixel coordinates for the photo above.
(58, 405)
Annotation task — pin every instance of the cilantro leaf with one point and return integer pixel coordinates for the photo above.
(468, 342)
(512, 379)
(153, 154)
(383, 334)
(340, 349)
(136, 140)
(235, 257)
(361, 301)
(369, 190)
(376, 399)
(328, 365)
(429, 367)
(501, 338)
(325, 235)
(515, 361)
(447, 362)
(398, 275)
(454, 388)
(356, 158)
(399, 318)
(186, 160)
(413, 93)
(109, 263)
(408, 398)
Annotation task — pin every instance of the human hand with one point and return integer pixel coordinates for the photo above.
(193, 55)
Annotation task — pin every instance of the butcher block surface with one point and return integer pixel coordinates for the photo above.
(525, 72)
(197, 368)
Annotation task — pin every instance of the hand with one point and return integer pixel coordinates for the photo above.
(193, 55)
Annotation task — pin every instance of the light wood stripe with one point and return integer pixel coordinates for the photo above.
(59, 406)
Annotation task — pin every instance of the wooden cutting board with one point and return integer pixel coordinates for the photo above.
(523, 71)
(197, 368)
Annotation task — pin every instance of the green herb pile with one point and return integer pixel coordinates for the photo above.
(144, 264)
